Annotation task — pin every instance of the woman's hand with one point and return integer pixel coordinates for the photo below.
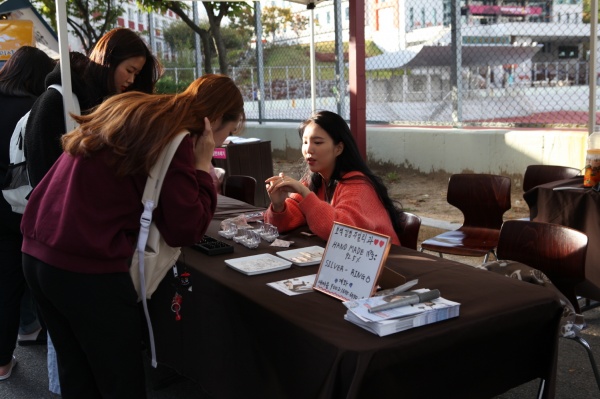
(204, 147)
(278, 188)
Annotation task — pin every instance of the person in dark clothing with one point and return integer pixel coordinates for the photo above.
(21, 82)
(81, 223)
(120, 62)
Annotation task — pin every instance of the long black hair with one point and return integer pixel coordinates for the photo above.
(24, 73)
(116, 46)
(349, 160)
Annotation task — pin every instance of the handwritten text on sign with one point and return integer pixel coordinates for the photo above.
(351, 263)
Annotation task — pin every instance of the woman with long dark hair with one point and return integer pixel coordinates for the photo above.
(21, 82)
(119, 62)
(337, 185)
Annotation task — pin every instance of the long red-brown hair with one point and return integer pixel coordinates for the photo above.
(137, 126)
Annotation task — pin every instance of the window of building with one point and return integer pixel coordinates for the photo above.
(328, 17)
(411, 18)
(546, 48)
(566, 52)
(347, 12)
(422, 18)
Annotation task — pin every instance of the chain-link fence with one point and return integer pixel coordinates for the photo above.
(507, 63)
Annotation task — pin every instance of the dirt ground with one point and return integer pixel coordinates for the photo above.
(424, 195)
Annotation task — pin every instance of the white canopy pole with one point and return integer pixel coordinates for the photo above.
(313, 106)
(65, 62)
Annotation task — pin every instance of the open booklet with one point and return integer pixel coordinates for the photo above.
(295, 286)
(400, 318)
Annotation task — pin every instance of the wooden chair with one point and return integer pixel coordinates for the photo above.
(409, 235)
(536, 175)
(240, 187)
(557, 251)
(483, 199)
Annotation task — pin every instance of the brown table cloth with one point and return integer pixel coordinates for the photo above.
(240, 338)
(576, 208)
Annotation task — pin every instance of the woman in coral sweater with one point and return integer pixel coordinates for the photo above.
(337, 186)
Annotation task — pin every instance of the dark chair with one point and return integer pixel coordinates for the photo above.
(557, 251)
(240, 187)
(536, 175)
(483, 199)
(410, 224)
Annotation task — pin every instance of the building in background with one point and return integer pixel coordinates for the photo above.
(139, 21)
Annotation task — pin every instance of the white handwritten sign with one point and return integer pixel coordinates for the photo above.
(352, 262)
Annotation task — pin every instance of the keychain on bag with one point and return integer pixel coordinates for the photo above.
(176, 305)
(179, 281)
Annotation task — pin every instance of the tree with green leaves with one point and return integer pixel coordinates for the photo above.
(244, 20)
(96, 17)
(299, 23)
(216, 11)
(275, 18)
(99, 16)
(179, 36)
(587, 9)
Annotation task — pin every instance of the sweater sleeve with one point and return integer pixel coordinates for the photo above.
(291, 217)
(354, 203)
(188, 200)
(45, 127)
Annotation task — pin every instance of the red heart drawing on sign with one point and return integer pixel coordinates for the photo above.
(376, 241)
(381, 243)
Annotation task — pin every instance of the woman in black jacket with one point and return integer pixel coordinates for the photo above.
(21, 82)
(119, 62)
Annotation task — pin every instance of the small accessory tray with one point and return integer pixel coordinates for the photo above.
(212, 246)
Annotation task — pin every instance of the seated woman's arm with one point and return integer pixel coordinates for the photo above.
(290, 218)
(355, 203)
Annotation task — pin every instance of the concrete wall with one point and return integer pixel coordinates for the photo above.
(447, 150)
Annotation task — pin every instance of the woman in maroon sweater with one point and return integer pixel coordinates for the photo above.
(82, 219)
(337, 185)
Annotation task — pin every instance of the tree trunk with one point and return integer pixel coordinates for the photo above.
(207, 50)
(204, 35)
(215, 31)
(221, 50)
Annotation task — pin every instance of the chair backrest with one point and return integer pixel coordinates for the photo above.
(240, 187)
(483, 199)
(536, 175)
(410, 224)
(556, 250)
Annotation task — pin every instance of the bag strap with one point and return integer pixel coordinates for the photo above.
(152, 189)
(76, 110)
(150, 200)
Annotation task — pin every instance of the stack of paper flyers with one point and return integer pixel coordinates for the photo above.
(400, 318)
